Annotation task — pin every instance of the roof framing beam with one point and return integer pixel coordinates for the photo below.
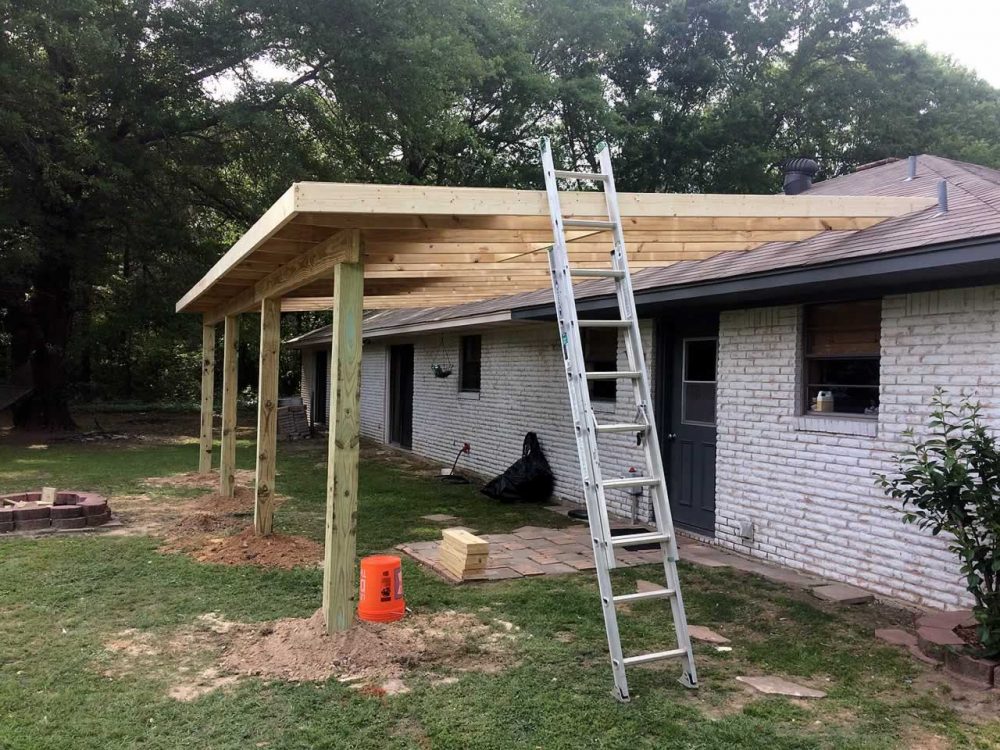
(342, 247)
(412, 230)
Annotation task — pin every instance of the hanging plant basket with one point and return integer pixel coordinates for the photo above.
(441, 371)
(442, 367)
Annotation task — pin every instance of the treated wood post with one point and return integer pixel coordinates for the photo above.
(267, 415)
(207, 397)
(230, 388)
(342, 463)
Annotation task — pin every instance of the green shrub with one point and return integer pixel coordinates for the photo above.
(949, 481)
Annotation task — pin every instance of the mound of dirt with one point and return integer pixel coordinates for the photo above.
(299, 650)
(214, 653)
(245, 547)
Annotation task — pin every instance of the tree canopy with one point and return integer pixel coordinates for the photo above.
(139, 138)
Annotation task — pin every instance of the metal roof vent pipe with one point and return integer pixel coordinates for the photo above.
(799, 175)
(942, 197)
(911, 169)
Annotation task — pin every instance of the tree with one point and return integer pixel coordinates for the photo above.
(139, 138)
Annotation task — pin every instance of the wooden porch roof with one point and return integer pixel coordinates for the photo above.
(435, 246)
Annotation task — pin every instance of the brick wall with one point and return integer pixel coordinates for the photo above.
(523, 389)
(806, 483)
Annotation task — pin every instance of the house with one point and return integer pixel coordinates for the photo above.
(784, 378)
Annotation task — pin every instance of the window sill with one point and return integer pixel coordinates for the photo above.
(837, 424)
(469, 395)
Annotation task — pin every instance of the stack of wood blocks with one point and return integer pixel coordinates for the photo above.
(463, 554)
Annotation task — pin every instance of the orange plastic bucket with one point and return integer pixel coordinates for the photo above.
(381, 589)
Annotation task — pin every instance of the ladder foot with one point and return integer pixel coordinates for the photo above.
(621, 696)
(687, 681)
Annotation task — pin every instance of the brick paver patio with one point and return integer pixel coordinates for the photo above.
(530, 551)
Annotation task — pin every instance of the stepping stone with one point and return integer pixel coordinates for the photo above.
(780, 686)
(896, 637)
(841, 593)
(939, 636)
(440, 518)
(947, 620)
(642, 586)
(701, 633)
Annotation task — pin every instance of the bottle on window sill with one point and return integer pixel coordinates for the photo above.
(824, 401)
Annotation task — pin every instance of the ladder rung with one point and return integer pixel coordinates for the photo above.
(622, 427)
(615, 484)
(627, 540)
(604, 323)
(639, 596)
(612, 375)
(598, 273)
(676, 653)
(567, 175)
(589, 223)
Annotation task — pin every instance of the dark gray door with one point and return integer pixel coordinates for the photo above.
(401, 395)
(321, 394)
(688, 435)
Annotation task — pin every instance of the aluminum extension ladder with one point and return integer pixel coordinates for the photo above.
(588, 429)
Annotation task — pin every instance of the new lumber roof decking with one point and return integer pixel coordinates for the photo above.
(434, 246)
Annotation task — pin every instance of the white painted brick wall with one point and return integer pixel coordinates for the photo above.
(523, 389)
(811, 493)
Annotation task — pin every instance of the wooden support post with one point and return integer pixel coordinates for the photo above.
(342, 464)
(267, 415)
(230, 387)
(207, 397)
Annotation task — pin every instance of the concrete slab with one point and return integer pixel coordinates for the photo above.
(642, 586)
(780, 686)
(841, 593)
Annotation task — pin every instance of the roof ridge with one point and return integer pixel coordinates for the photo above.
(965, 189)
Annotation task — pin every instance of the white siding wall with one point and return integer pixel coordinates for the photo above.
(374, 371)
(373, 376)
(308, 379)
(807, 484)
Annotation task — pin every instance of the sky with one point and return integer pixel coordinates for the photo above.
(965, 29)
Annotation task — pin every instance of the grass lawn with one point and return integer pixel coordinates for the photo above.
(62, 598)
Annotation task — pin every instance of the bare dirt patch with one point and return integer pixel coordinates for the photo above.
(195, 480)
(212, 528)
(214, 653)
(244, 547)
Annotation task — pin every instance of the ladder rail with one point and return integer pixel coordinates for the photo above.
(569, 333)
(643, 398)
(587, 428)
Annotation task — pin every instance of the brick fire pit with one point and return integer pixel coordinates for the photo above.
(28, 511)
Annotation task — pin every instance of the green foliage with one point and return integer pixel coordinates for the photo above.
(949, 481)
(65, 598)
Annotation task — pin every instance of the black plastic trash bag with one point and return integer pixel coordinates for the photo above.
(529, 479)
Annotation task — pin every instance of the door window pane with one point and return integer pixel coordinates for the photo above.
(698, 382)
